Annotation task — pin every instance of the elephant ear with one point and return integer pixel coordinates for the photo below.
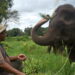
(66, 12)
(68, 15)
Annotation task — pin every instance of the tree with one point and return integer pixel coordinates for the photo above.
(5, 11)
(27, 31)
(40, 31)
(15, 32)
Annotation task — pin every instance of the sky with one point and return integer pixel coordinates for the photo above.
(29, 11)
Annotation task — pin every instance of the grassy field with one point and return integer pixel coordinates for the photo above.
(39, 61)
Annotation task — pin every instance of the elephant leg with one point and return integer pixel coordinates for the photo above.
(61, 50)
(49, 49)
(71, 53)
(55, 50)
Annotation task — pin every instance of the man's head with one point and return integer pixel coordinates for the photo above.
(2, 32)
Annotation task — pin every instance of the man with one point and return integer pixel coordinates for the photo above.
(6, 67)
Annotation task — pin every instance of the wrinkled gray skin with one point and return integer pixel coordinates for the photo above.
(61, 29)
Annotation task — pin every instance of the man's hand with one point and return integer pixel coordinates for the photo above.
(22, 57)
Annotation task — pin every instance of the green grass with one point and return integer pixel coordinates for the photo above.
(39, 61)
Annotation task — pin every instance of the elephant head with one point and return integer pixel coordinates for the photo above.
(61, 26)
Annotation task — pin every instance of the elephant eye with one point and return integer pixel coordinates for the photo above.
(68, 16)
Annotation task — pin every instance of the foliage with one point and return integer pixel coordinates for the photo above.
(20, 38)
(45, 16)
(14, 32)
(40, 31)
(5, 11)
(39, 62)
(27, 31)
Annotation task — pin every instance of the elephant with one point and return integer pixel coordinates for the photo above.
(61, 30)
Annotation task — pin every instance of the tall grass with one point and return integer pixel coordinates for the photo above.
(39, 61)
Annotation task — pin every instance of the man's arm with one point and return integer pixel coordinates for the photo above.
(10, 69)
(21, 57)
(13, 58)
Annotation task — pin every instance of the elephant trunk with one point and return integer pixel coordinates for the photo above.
(41, 40)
